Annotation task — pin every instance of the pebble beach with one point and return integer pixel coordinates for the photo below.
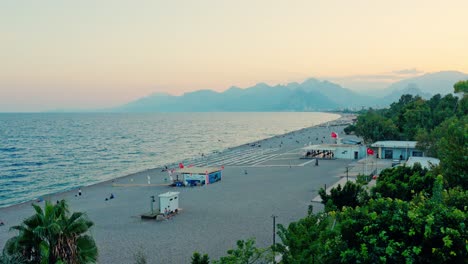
(212, 217)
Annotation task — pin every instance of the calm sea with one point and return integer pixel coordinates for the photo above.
(48, 153)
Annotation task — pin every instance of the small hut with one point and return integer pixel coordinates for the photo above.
(200, 175)
(169, 201)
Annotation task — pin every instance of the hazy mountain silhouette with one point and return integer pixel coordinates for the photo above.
(310, 95)
(430, 83)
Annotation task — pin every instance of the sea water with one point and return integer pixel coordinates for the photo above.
(45, 153)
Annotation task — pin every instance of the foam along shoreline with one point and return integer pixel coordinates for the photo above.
(281, 185)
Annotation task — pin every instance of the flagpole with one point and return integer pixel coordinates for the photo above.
(367, 155)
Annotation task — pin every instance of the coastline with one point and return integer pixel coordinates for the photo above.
(239, 206)
(342, 119)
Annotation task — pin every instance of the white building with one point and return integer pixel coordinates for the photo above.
(169, 200)
(396, 150)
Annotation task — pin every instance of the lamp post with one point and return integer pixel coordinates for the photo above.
(347, 170)
(152, 202)
(274, 229)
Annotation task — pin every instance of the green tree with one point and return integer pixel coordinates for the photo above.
(461, 87)
(452, 150)
(12, 259)
(350, 129)
(53, 236)
(351, 194)
(373, 127)
(404, 182)
(197, 258)
(313, 239)
(246, 253)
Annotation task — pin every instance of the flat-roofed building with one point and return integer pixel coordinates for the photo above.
(396, 150)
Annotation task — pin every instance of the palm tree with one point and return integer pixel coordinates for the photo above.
(53, 236)
(11, 259)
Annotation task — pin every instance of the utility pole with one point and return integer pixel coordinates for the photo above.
(274, 229)
(347, 170)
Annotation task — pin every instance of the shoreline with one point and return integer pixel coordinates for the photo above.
(239, 206)
(342, 119)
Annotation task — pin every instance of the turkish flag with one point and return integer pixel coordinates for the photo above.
(334, 135)
(181, 165)
(370, 151)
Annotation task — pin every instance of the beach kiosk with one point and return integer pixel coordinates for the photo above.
(169, 200)
(200, 175)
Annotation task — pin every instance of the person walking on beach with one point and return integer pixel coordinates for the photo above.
(79, 192)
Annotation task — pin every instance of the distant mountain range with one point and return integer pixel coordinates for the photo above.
(310, 95)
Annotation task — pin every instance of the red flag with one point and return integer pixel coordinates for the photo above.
(334, 135)
(181, 165)
(222, 167)
(370, 151)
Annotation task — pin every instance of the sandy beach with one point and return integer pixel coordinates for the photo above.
(213, 217)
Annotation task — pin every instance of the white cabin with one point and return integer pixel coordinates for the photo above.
(169, 200)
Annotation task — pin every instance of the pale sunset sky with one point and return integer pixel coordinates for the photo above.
(97, 54)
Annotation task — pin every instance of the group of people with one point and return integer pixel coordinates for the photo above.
(320, 154)
(110, 197)
(168, 213)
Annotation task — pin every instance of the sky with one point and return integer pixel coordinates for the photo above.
(95, 54)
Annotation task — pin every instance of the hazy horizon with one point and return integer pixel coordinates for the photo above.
(87, 54)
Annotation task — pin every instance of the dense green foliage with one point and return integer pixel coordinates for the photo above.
(246, 253)
(350, 129)
(449, 143)
(12, 259)
(461, 87)
(408, 117)
(197, 258)
(385, 230)
(373, 127)
(352, 194)
(404, 183)
(53, 236)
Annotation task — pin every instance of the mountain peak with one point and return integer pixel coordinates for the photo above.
(310, 81)
(430, 83)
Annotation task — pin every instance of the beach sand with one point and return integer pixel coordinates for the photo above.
(213, 217)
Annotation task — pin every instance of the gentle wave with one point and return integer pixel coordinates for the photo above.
(48, 153)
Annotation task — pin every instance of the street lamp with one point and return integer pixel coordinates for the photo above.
(152, 202)
(347, 170)
(274, 229)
